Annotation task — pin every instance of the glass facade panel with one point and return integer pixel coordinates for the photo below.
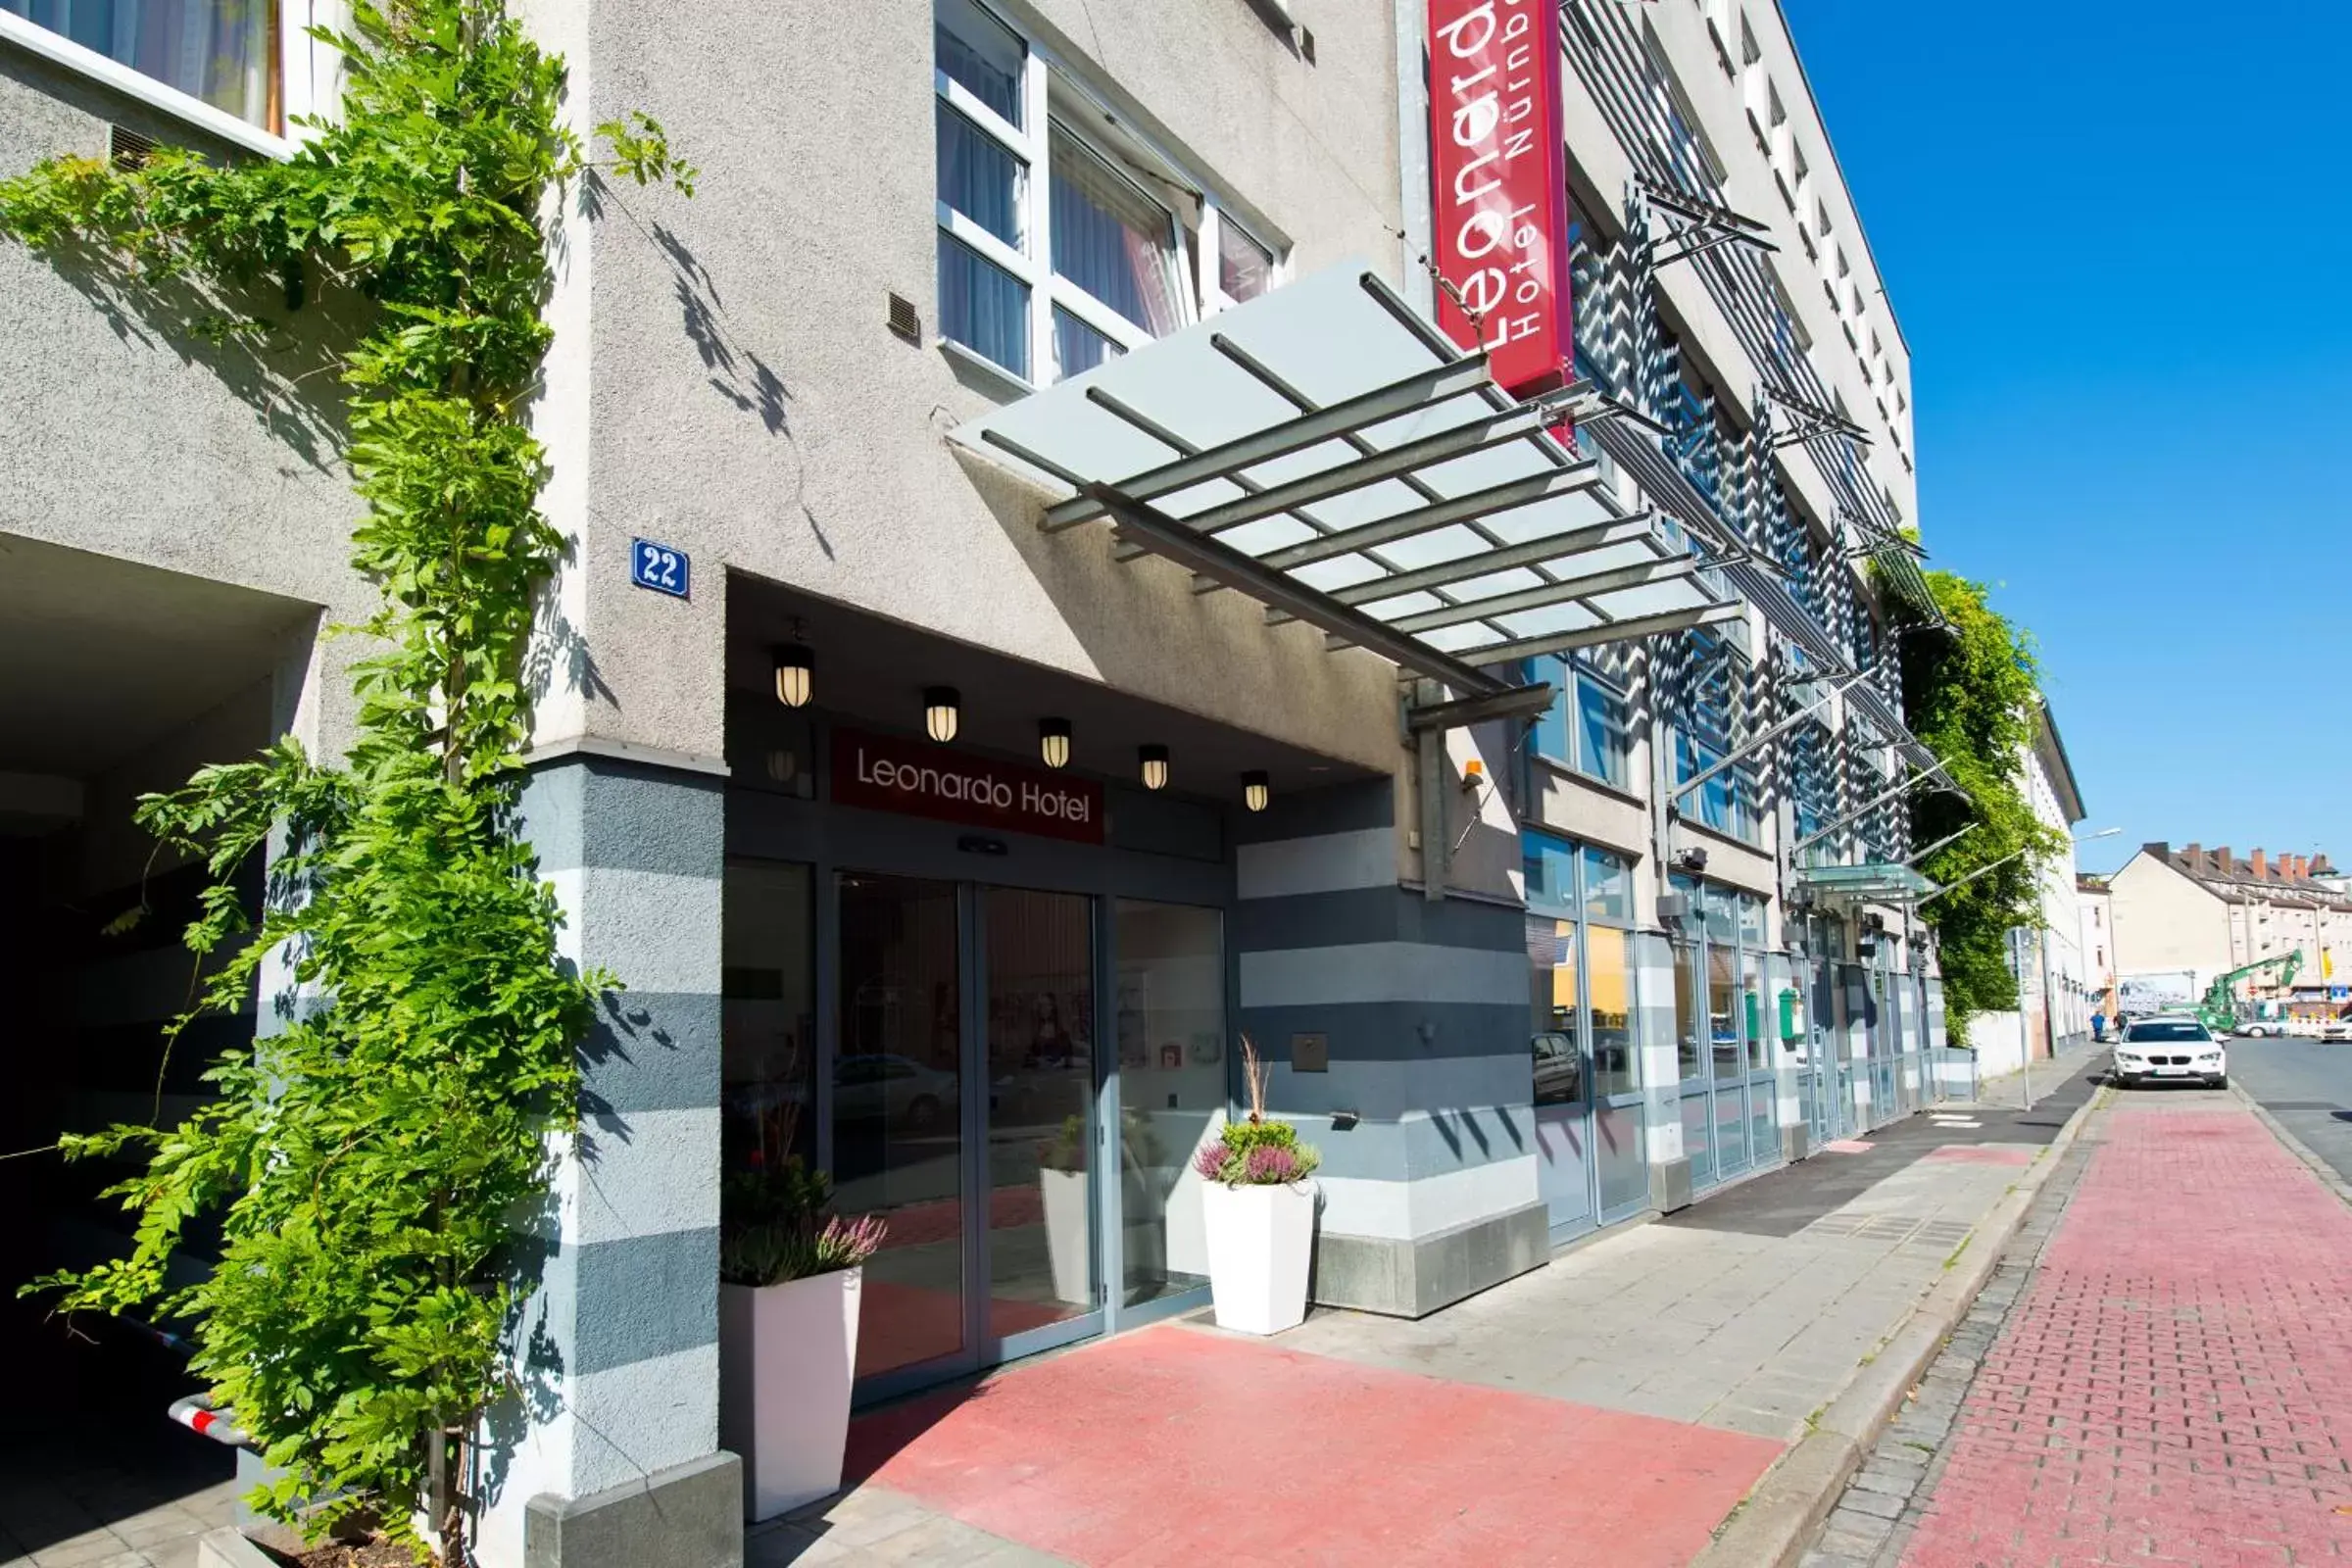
(1170, 1028)
(1603, 718)
(1698, 1141)
(1608, 886)
(898, 1097)
(1731, 1129)
(215, 50)
(979, 177)
(1723, 1027)
(1621, 1166)
(1755, 1012)
(767, 1017)
(1550, 865)
(1112, 240)
(982, 306)
(1244, 267)
(1689, 1059)
(1609, 992)
(979, 52)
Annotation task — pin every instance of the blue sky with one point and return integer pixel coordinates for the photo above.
(2115, 238)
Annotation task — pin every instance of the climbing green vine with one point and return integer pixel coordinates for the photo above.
(376, 1161)
(1971, 695)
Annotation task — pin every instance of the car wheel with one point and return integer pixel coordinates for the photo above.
(2222, 1082)
(922, 1113)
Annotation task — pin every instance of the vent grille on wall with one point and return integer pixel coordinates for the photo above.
(128, 149)
(905, 321)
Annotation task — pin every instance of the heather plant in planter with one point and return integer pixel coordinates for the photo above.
(1258, 1207)
(791, 1275)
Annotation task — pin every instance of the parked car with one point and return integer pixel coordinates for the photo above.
(2262, 1028)
(2163, 1050)
(2336, 1029)
(894, 1090)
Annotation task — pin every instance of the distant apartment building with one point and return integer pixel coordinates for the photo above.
(2205, 913)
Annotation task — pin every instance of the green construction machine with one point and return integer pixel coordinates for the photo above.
(2218, 1011)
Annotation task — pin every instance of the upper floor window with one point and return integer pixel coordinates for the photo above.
(217, 50)
(1588, 726)
(1706, 732)
(1059, 249)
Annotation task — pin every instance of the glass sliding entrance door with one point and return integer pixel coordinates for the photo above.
(1562, 1084)
(899, 1115)
(1038, 959)
(962, 1107)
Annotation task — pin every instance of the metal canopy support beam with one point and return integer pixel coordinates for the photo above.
(1426, 387)
(1211, 557)
(1485, 562)
(1616, 631)
(1463, 439)
(1437, 514)
(1520, 701)
(1549, 594)
(1429, 749)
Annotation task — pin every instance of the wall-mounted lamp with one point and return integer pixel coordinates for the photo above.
(941, 711)
(1053, 740)
(1154, 761)
(795, 672)
(1256, 791)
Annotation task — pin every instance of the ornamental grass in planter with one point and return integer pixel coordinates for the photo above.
(1258, 1206)
(790, 1278)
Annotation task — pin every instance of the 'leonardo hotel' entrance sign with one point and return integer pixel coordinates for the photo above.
(917, 778)
(1501, 198)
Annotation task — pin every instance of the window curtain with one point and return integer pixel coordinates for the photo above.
(1112, 240)
(978, 177)
(982, 308)
(215, 50)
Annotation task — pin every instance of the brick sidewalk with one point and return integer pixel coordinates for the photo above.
(2175, 1383)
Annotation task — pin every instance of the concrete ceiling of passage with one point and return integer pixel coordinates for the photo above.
(102, 657)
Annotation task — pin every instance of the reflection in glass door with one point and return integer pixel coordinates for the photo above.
(1562, 1084)
(1039, 1067)
(899, 1108)
(1170, 1039)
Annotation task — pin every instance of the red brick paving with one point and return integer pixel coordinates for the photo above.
(2177, 1384)
(1171, 1446)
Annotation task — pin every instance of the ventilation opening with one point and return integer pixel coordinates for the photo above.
(905, 321)
(128, 149)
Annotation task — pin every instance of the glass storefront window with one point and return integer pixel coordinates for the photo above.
(1723, 1027)
(1169, 1025)
(767, 1016)
(1751, 921)
(1609, 989)
(1550, 865)
(1608, 886)
(1685, 1027)
(1756, 1017)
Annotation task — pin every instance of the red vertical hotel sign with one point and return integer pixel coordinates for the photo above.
(1501, 212)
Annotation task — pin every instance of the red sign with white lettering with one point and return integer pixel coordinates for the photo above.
(1501, 209)
(917, 778)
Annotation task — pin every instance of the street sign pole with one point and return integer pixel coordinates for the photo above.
(2024, 1037)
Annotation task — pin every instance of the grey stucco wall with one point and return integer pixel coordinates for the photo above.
(745, 401)
(130, 436)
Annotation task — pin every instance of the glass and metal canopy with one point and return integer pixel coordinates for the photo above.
(1328, 452)
(1879, 881)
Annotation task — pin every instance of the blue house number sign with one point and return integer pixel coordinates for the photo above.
(657, 567)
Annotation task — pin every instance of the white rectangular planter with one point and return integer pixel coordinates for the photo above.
(1070, 1235)
(785, 1357)
(1260, 1239)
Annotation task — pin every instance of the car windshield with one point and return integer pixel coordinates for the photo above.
(2167, 1029)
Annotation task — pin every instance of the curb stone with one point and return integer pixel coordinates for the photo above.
(2295, 1146)
(1777, 1522)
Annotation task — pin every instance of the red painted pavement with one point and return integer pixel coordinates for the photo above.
(1172, 1446)
(2177, 1384)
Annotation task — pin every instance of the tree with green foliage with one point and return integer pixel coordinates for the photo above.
(1969, 691)
(375, 1161)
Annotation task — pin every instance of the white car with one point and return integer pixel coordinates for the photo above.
(2165, 1050)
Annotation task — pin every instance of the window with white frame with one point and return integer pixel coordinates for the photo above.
(221, 51)
(1059, 248)
(1707, 725)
